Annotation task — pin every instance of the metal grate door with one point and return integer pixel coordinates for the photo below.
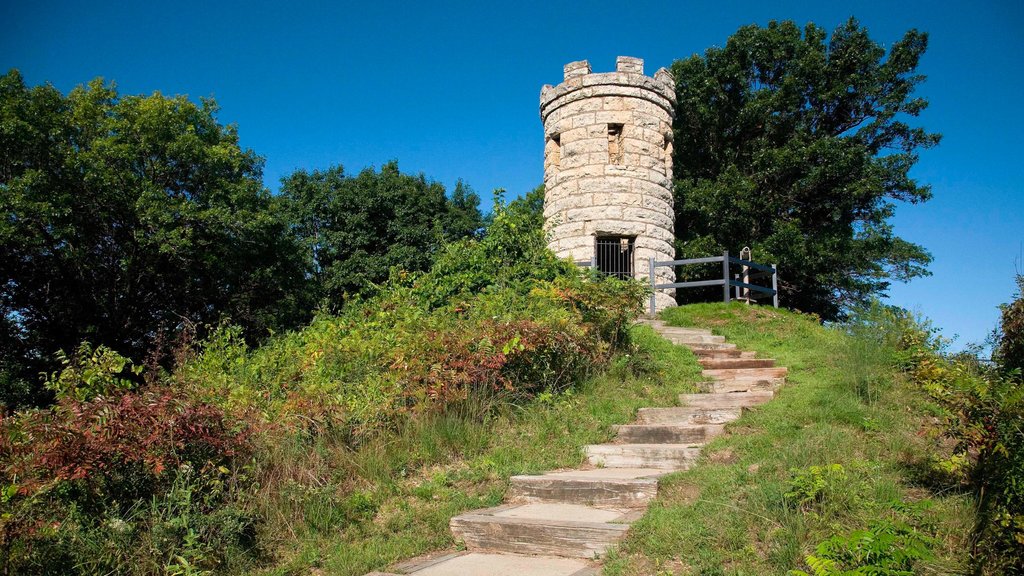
(615, 255)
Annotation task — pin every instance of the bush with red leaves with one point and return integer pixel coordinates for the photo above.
(118, 448)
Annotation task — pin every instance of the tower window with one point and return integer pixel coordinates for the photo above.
(615, 155)
(554, 150)
(668, 156)
(615, 255)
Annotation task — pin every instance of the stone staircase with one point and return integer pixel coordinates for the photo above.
(559, 523)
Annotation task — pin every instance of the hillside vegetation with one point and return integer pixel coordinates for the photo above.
(347, 444)
(865, 462)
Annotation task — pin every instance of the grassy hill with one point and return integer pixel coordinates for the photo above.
(847, 451)
(345, 447)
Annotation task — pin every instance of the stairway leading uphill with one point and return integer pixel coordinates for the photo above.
(559, 523)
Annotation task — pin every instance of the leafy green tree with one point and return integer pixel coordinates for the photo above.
(797, 144)
(1008, 339)
(125, 218)
(356, 229)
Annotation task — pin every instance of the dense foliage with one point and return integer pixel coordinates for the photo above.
(982, 411)
(797, 145)
(1009, 338)
(125, 218)
(133, 222)
(356, 229)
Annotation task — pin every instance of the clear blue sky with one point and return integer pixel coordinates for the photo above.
(451, 90)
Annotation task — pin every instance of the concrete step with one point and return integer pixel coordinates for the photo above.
(568, 530)
(483, 564)
(733, 373)
(688, 415)
(608, 487)
(660, 456)
(726, 400)
(667, 433)
(727, 363)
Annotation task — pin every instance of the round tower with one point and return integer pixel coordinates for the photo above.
(608, 170)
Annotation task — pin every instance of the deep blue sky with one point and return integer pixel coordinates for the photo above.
(451, 90)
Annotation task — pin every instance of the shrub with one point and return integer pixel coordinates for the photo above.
(885, 548)
(983, 412)
(92, 372)
(811, 485)
(95, 486)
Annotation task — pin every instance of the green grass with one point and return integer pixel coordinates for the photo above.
(393, 496)
(842, 405)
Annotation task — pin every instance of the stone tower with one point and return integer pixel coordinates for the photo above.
(608, 169)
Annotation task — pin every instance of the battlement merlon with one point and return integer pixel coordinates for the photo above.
(627, 80)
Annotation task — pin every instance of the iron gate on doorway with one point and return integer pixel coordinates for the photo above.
(613, 255)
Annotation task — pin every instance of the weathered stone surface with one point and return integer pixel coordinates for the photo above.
(661, 456)
(695, 339)
(667, 433)
(725, 363)
(481, 564)
(746, 385)
(608, 140)
(688, 415)
(726, 400)
(621, 487)
(728, 373)
(551, 529)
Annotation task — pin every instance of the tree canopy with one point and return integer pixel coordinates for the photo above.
(356, 229)
(125, 218)
(797, 144)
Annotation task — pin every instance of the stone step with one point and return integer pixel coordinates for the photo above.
(726, 400)
(733, 373)
(702, 353)
(483, 564)
(696, 347)
(680, 331)
(694, 339)
(688, 415)
(667, 433)
(568, 530)
(727, 363)
(609, 487)
(746, 384)
(660, 456)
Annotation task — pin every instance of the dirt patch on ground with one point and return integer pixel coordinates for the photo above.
(725, 456)
(681, 493)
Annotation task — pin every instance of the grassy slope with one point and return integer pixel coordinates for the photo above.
(730, 514)
(404, 488)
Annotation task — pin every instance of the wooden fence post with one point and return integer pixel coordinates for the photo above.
(725, 276)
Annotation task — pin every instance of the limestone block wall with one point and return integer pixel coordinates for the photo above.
(608, 164)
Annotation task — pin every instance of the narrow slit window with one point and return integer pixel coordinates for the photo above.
(615, 155)
(668, 156)
(555, 150)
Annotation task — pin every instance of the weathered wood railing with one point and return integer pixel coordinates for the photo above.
(743, 282)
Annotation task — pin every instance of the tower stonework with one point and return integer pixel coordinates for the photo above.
(608, 169)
